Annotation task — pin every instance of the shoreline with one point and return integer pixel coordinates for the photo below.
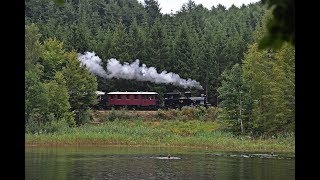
(235, 147)
(148, 146)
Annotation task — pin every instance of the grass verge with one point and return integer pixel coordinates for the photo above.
(164, 133)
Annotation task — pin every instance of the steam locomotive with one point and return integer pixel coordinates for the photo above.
(148, 100)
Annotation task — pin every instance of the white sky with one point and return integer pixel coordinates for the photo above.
(175, 5)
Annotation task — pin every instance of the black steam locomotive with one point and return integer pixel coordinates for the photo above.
(175, 100)
(148, 100)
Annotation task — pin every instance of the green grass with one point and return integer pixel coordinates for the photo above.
(164, 133)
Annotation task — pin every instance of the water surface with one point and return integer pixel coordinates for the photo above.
(153, 163)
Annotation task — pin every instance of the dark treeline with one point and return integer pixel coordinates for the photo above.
(216, 47)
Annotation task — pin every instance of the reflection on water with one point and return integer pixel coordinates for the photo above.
(167, 158)
(153, 163)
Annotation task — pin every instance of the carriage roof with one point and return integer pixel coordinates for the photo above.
(128, 93)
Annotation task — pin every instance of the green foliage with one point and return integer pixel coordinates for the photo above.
(183, 64)
(36, 97)
(270, 76)
(83, 116)
(152, 8)
(137, 41)
(235, 100)
(32, 46)
(77, 38)
(69, 117)
(81, 85)
(32, 125)
(58, 96)
(51, 126)
(46, 105)
(52, 57)
(59, 2)
(281, 27)
(45, 102)
(158, 49)
(48, 87)
(119, 44)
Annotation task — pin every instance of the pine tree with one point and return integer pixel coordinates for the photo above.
(182, 62)
(158, 50)
(152, 8)
(77, 38)
(119, 43)
(137, 41)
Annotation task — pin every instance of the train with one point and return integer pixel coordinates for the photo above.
(148, 100)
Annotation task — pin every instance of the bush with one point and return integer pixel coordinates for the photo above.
(186, 113)
(167, 114)
(200, 112)
(112, 116)
(122, 114)
(46, 125)
(212, 113)
(36, 122)
(69, 118)
(160, 114)
(83, 116)
(55, 126)
(32, 125)
(189, 113)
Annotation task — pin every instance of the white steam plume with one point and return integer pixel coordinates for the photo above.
(133, 71)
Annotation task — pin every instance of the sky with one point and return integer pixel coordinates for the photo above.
(175, 5)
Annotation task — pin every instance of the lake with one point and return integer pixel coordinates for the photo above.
(153, 163)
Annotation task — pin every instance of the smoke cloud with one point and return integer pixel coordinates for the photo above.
(133, 71)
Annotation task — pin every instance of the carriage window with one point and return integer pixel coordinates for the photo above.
(119, 96)
(112, 97)
(128, 96)
(135, 96)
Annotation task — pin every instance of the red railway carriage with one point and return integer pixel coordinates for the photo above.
(133, 99)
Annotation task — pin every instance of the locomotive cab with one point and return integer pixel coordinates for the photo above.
(171, 99)
(101, 100)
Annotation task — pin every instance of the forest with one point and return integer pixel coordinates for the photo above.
(254, 88)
